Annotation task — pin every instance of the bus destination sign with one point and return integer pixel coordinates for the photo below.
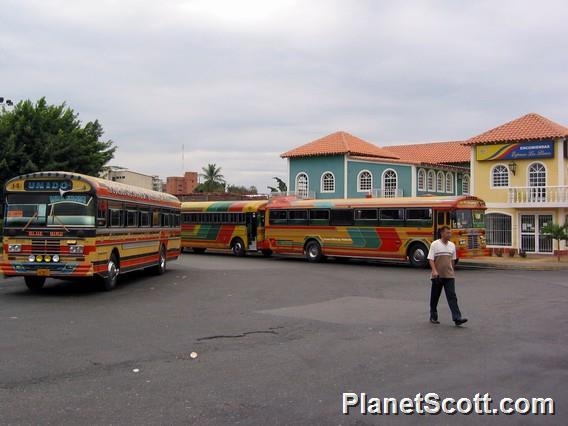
(48, 185)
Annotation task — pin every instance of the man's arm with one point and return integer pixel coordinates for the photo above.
(431, 258)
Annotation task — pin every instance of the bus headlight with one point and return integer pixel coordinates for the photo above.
(462, 242)
(14, 248)
(39, 258)
(76, 249)
(31, 258)
(55, 258)
(47, 258)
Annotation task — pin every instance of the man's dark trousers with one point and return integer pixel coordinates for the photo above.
(448, 284)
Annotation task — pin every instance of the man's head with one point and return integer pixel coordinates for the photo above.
(445, 232)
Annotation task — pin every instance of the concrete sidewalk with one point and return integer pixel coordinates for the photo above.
(530, 263)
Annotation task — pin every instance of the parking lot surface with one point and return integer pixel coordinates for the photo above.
(277, 341)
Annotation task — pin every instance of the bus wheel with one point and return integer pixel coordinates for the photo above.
(266, 252)
(238, 247)
(313, 252)
(198, 250)
(160, 268)
(417, 255)
(109, 281)
(34, 283)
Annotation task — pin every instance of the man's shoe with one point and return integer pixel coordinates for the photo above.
(460, 321)
(434, 321)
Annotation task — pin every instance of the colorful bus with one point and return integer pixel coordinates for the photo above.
(59, 224)
(234, 225)
(381, 228)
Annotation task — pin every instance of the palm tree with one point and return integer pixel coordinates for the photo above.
(213, 180)
(556, 232)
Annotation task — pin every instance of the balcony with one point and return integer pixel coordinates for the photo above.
(387, 193)
(539, 196)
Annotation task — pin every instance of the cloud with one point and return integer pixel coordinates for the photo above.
(237, 83)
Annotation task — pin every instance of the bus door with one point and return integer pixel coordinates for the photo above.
(251, 221)
(260, 230)
(441, 218)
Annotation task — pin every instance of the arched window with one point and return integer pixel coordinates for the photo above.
(500, 176)
(537, 174)
(498, 229)
(390, 183)
(364, 181)
(302, 185)
(431, 178)
(440, 182)
(465, 185)
(449, 182)
(327, 182)
(421, 180)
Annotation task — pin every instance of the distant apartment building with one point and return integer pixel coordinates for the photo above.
(180, 185)
(129, 177)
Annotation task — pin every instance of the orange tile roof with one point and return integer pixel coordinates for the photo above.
(339, 143)
(527, 127)
(433, 152)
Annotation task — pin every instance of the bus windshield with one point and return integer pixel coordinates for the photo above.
(462, 219)
(49, 210)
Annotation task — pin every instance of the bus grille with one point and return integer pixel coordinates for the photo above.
(46, 247)
(473, 241)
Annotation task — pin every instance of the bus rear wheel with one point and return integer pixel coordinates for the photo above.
(34, 283)
(110, 279)
(313, 252)
(238, 247)
(418, 256)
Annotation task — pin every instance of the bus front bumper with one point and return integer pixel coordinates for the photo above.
(60, 269)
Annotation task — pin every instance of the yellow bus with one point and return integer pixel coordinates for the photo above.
(234, 225)
(382, 228)
(59, 224)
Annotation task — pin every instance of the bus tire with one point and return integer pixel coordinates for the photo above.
(266, 252)
(34, 283)
(418, 255)
(160, 268)
(238, 247)
(198, 250)
(110, 279)
(313, 251)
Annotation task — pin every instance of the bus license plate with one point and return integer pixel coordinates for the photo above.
(43, 272)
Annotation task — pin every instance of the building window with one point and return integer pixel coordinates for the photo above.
(537, 174)
(302, 185)
(449, 182)
(500, 176)
(465, 185)
(327, 182)
(364, 181)
(422, 180)
(390, 183)
(430, 181)
(498, 229)
(440, 182)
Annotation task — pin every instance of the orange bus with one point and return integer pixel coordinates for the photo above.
(234, 225)
(382, 228)
(59, 224)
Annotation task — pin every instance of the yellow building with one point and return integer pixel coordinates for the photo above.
(520, 169)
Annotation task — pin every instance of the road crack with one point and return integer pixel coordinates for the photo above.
(271, 330)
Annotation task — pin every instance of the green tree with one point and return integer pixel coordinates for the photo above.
(280, 186)
(241, 189)
(213, 180)
(35, 137)
(556, 232)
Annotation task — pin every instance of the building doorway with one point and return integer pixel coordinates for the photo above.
(532, 239)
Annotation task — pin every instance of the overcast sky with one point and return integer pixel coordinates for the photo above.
(239, 82)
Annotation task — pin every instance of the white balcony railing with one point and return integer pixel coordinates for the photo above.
(303, 195)
(387, 193)
(539, 195)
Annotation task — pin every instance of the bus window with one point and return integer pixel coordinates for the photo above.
(131, 218)
(341, 217)
(278, 217)
(144, 218)
(102, 207)
(319, 217)
(298, 217)
(419, 217)
(391, 217)
(366, 217)
(115, 216)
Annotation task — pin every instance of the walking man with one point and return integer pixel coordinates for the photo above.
(442, 257)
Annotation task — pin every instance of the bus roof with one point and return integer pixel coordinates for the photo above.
(460, 201)
(101, 187)
(240, 206)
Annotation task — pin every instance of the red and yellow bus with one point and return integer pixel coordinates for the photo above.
(234, 225)
(381, 228)
(59, 224)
